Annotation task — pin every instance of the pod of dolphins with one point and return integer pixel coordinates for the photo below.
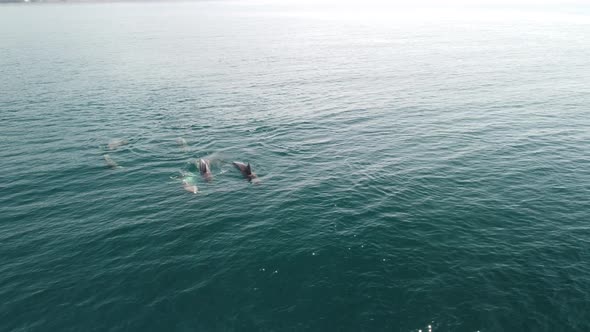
(188, 179)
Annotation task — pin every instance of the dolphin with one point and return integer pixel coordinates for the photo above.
(110, 162)
(189, 187)
(205, 169)
(246, 170)
(116, 143)
(188, 182)
(182, 142)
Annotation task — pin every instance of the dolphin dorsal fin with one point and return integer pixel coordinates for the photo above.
(248, 169)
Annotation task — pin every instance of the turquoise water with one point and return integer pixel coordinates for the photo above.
(417, 167)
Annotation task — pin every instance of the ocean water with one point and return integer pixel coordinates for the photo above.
(420, 169)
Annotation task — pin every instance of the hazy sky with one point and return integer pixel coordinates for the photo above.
(574, 11)
(436, 2)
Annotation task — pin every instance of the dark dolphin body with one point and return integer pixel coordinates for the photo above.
(205, 169)
(246, 170)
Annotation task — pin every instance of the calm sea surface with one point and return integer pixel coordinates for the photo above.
(417, 167)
